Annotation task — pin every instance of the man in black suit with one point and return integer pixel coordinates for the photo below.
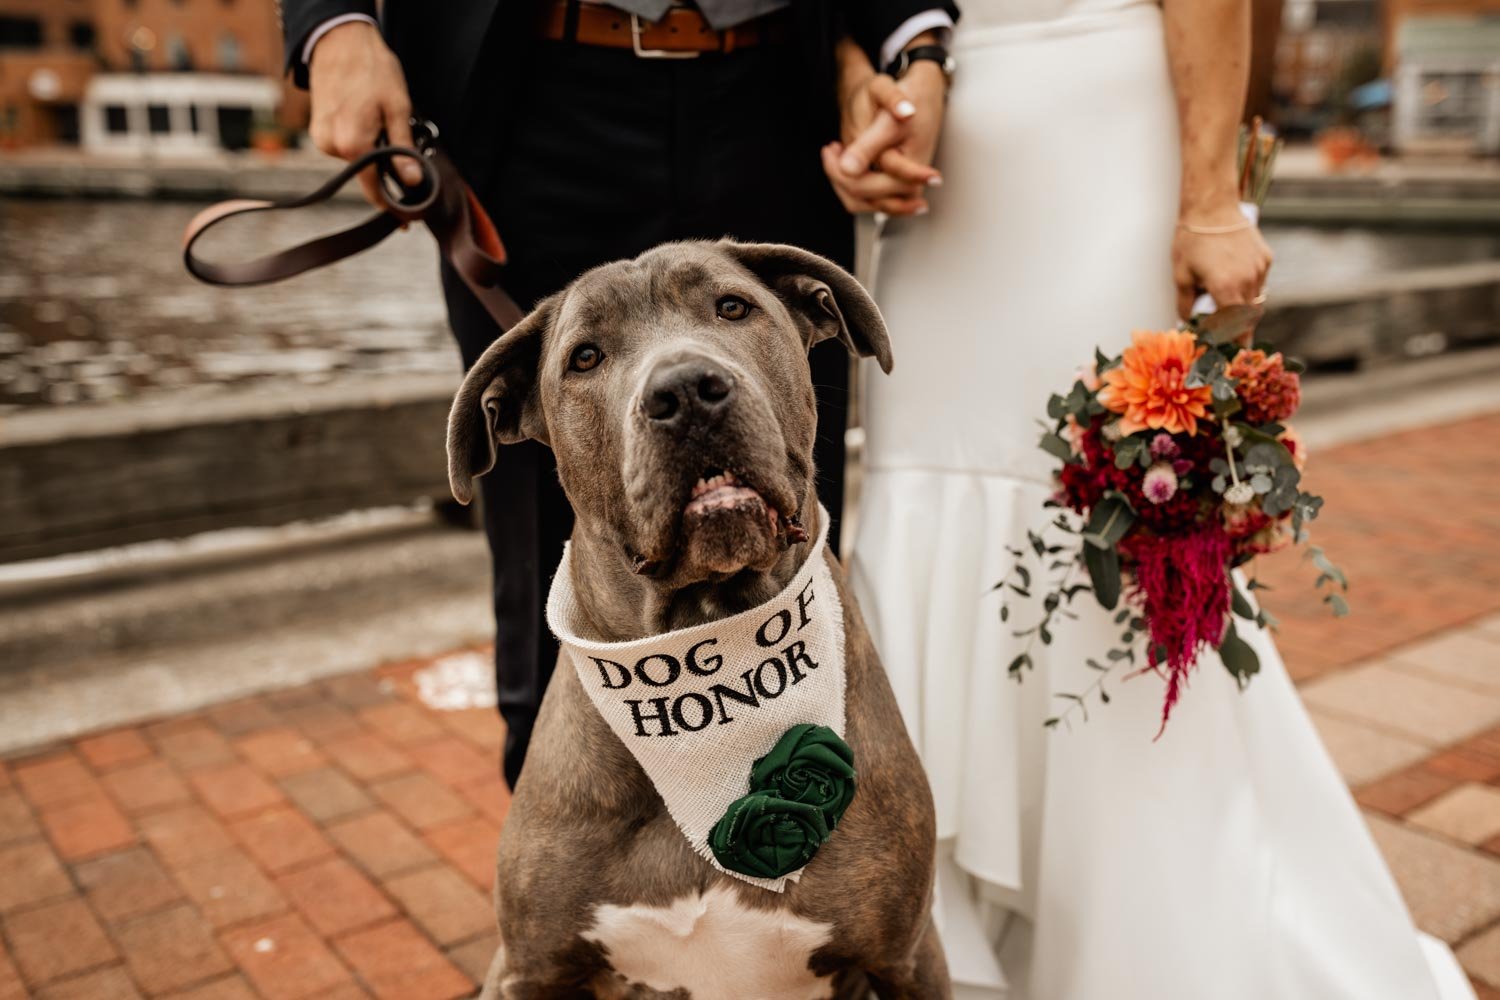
(592, 132)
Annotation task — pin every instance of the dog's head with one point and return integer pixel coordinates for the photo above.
(674, 390)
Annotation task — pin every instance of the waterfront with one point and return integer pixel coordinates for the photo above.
(95, 304)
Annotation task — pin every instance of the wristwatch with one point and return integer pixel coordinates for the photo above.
(933, 53)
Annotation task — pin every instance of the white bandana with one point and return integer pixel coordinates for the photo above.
(697, 707)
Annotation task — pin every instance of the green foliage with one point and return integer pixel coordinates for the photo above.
(1104, 572)
(1239, 659)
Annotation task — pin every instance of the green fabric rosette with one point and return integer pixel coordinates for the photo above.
(809, 764)
(767, 837)
(798, 794)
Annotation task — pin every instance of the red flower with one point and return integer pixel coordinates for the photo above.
(1270, 392)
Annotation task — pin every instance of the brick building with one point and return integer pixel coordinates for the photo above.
(46, 58)
(1323, 46)
(133, 75)
(1443, 57)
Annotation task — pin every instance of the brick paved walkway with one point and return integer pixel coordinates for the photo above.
(337, 840)
(334, 840)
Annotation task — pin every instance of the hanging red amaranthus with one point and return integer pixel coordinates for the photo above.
(1182, 590)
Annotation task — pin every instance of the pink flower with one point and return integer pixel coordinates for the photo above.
(1164, 448)
(1160, 483)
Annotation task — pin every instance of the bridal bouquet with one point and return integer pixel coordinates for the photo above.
(1178, 467)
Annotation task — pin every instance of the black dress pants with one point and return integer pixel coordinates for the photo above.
(604, 155)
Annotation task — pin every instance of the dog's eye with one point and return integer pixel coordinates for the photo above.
(585, 356)
(732, 307)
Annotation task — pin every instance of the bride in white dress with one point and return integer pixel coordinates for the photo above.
(1225, 861)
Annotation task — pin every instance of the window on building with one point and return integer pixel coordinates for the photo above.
(81, 36)
(20, 33)
(65, 123)
(1348, 13)
(1451, 102)
(229, 52)
(116, 119)
(158, 119)
(193, 118)
(178, 56)
(234, 127)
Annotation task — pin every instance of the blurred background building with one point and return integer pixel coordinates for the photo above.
(1413, 76)
(137, 76)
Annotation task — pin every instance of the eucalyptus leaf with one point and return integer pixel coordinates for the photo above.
(1104, 572)
(1110, 519)
(1240, 604)
(1239, 659)
(1229, 323)
(1055, 446)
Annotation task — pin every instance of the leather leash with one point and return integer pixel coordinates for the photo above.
(441, 201)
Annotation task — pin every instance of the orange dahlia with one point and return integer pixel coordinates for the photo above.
(1148, 388)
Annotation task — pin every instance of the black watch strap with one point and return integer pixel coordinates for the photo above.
(932, 53)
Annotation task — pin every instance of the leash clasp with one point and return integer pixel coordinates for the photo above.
(424, 134)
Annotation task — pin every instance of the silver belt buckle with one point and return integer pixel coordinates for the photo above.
(635, 43)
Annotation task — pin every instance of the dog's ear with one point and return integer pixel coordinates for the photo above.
(497, 402)
(825, 299)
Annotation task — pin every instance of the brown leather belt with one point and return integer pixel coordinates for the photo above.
(682, 32)
(442, 201)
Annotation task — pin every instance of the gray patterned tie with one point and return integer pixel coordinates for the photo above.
(720, 13)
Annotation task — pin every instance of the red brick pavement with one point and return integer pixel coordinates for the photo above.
(337, 839)
(1414, 520)
(334, 840)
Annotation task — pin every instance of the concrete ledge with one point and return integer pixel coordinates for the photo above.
(1390, 316)
(83, 478)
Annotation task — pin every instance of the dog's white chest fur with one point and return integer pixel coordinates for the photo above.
(713, 947)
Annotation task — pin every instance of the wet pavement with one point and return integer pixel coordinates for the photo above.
(95, 304)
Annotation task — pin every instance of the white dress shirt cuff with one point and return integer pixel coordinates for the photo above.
(316, 35)
(928, 20)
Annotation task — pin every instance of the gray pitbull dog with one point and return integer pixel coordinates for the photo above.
(674, 389)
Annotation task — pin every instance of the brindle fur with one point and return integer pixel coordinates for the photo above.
(586, 826)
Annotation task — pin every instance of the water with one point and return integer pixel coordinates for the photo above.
(95, 304)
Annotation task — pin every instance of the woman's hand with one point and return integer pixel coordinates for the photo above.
(1231, 266)
(889, 134)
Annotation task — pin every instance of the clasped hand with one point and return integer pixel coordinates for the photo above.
(888, 135)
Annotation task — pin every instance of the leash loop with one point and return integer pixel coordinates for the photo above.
(441, 200)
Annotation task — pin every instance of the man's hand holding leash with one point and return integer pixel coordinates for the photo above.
(358, 91)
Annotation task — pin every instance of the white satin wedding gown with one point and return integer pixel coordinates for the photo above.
(1225, 861)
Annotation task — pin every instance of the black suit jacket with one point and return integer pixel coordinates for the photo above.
(439, 45)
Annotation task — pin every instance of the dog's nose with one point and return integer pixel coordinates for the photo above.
(686, 388)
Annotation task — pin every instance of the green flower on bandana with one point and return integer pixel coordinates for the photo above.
(799, 792)
(767, 837)
(809, 764)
